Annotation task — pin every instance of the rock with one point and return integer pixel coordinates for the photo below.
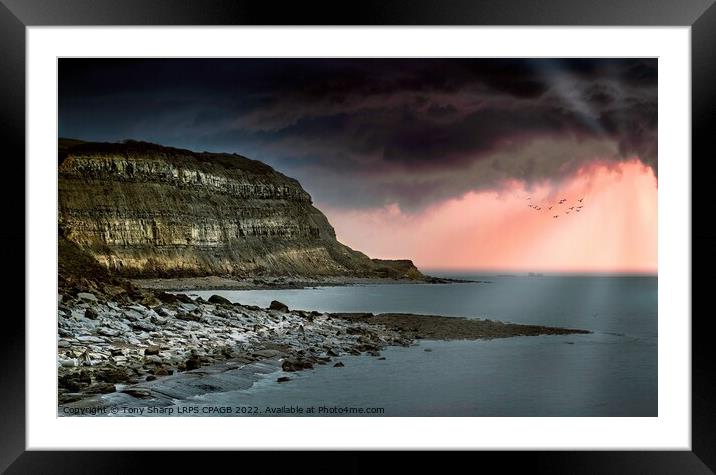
(100, 388)
(132, 315)
(143, 325)
(150, 378)
(74, 382)
(276, 305)
(90, 339)
(151, 302)
(428, 350)
(191, 317)
(192, 363)
(91, 314)
(290, 364)
(283, 379)
(87, 296)
(158, 320)
(139, 393)
(166, 297)
(151, 350)
(154, 359)
(112, 375)
(183, 298)
(113, 290)
(219, 300)
(107, 331)
(162, 372)
(68, 362)
(338, 365)
(382, 358)
(332, 352)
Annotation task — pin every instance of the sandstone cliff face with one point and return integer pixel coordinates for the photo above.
(144, 210)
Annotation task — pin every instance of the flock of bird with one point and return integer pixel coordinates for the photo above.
(567, 210)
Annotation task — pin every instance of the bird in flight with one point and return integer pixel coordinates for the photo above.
(580, 200)
(555, 216)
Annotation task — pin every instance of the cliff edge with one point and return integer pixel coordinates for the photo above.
(145, 210)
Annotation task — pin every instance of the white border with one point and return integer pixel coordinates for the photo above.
(670, 430)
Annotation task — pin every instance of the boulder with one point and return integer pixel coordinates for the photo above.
(183, 298)
(283, 379)
(166, 297)
(154, 359)
(276, 305)
(108, 331)
(74, 382)
(219, 300)
(191, 317)
(338, 365)
(158, 320)
(151, 350)
(87, 296)
(91, 313)
(151, 302)
(192, 363)
(112, 375)
(291, 364)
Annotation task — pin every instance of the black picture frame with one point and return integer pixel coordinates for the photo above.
(16, 15)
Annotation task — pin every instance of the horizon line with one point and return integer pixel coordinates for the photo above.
(526, 272)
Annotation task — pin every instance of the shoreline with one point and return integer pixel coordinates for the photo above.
(115, 344)
(183, 284)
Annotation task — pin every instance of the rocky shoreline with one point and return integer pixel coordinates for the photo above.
(119, 339)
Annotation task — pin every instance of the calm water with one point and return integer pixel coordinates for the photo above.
(611, 372)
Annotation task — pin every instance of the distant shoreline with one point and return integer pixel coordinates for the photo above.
(280, 283)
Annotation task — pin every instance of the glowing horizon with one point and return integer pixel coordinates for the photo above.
(497, 231)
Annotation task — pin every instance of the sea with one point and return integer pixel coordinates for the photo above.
(611, 372)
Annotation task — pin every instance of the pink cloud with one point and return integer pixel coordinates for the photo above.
(615, 231)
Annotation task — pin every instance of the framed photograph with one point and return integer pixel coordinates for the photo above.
(448, 227)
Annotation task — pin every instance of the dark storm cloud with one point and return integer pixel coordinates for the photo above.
(362, 132)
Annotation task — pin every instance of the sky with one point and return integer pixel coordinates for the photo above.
(452, 163)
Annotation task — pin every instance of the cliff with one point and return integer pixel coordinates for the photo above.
(144, 210)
